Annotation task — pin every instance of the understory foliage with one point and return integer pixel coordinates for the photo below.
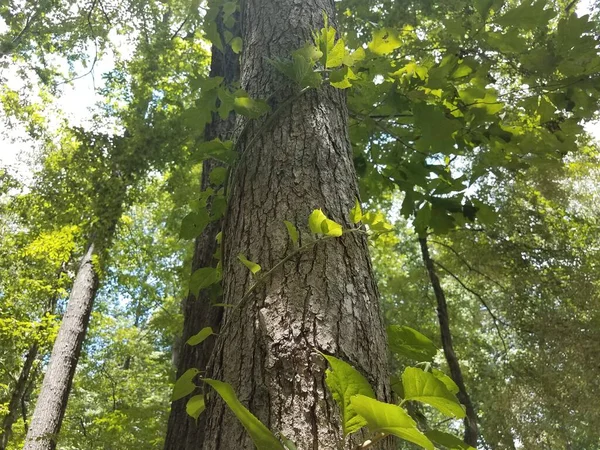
(468, 129)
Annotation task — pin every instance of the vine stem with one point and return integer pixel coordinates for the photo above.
(371, 442)
(289, 257)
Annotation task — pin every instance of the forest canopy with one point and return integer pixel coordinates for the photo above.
(289, 225)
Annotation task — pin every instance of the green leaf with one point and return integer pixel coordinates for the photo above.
(340, 78)
(236, 45)
(248, 107)
(195, 406)
(193, 224)
(377, 222)
(483, 7)
(315, 220)
(448, 440)
(254, 268)
(201, 336)
(384, 41)
(389, 419)
(331, 228)
(410, 343)
(356, 213)
(221, 151)
(422, 219)
(288, 444)
(217, 175)
(203, 278)
(448, 382)
(292, 231)
(424, 387)
(260, 434)
(344, 382)
(185, 384)
(336, 55)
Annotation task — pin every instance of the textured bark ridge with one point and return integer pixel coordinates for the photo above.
(183, 432)
(325, 299)
(470, 421)
(52, 401)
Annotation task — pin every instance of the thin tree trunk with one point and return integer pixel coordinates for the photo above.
(52, 401)
(25, 381)
(183, 432)
(324, 300)
(16, 398)
(471, 427)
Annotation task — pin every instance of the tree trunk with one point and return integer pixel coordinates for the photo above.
(26, 380)
(18, 393)
(324, 300)
(471, 428)
(52, 401)
(183, 432)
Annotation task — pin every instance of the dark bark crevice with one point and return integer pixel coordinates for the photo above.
(470, 422)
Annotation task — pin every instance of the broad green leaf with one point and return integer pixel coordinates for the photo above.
(331, 228)
(424, 387)
(288, 444)
(448, 440)
(410, 343)
(217, 175)
(236, 44)
(292, 231)
(260, 434)
(389, 419)
(201, 336)
(340, 78)
(203, 278)
(185, 384)
(483, 7)
(448, 382)
(384, 41)
(315, 220)
(422, 219)
(195, 406)
(344, 382)
(254, 268)
(356, 213)
(249, 107)
(218, 207)
(221, 151)
(194, 224)
(376, 222)
(336, 55)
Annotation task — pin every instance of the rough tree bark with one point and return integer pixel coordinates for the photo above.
(323, 300)
(52, 401)
(470, 421)
(183, 432)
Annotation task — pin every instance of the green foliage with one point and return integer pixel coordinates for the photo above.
(201, 336)
(261, 436)
(410, 343)
(252, 266)
(195, 406)
(425, 387)
(389, 419)
(185, 384)
(345, 382)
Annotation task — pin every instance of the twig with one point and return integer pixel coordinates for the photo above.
(495, 319)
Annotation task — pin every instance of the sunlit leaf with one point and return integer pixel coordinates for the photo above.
(344, 381)
(260, 434)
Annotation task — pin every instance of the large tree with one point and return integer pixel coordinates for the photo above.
(325, 300)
